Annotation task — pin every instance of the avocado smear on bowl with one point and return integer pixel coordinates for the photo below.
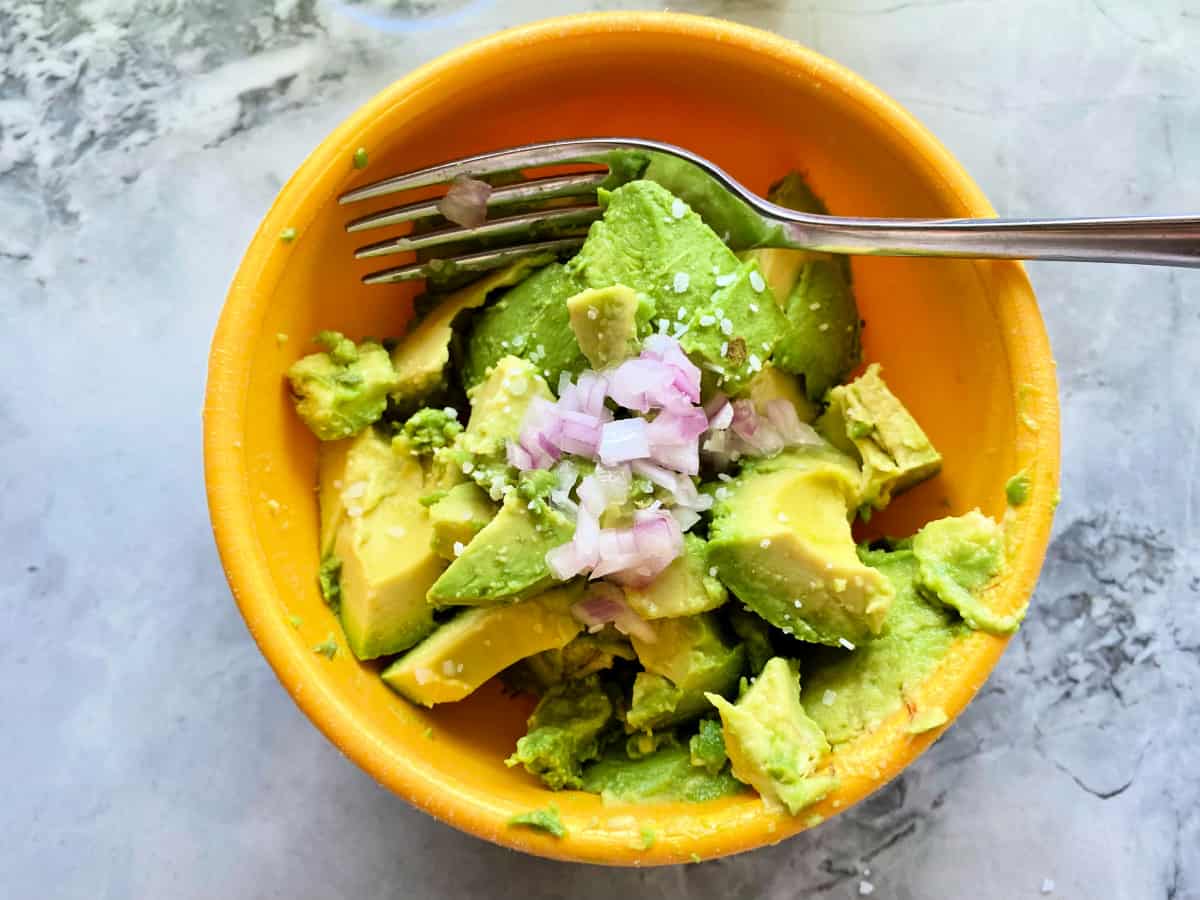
(625, 483)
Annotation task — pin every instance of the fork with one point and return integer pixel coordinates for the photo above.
(550, 214)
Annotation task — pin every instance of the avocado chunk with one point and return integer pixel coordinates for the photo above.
(738, 225)
(429, 430)
(772, 383)
(531, 322)
(958, 558)
(607, 322)
(585, 655)
(780, 539)
(822, 339)
(707, 747)
(683, 588)
(564, 732)
(499, 404)
(755, 634)
(848, 694)
(652, 243)
(506, 560)
(772, 743)
(331, 480)
(662, 776)
(384, 549)
(478, 643)
(421, 357)
(340, 392)
(865, 419)
(780, 267)
(458, 517)
(687, 657)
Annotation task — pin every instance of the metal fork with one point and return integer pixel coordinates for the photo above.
(554, 211)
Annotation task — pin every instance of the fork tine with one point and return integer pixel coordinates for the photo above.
(474, 262)
(494, 163)
(526, 224)
(531, 191)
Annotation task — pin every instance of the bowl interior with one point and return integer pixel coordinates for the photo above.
(960, 342)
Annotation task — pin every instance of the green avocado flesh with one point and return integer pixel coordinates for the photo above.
(766, 642)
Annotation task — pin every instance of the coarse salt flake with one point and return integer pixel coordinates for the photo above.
(765, 543)
(756, 282)
(828, 697)
(707, 320)
(845, 643)
(593, 313)
(726, 326)
(681, 281)
(865, 888)
(459, 548)
(678, 208)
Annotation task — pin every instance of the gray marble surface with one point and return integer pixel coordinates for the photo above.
(148, 750)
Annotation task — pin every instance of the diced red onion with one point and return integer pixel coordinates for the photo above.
(604, 603)
(466, 202)
(666, 350)
(782, 414)
(623, 440)
(722, 418)
(518, 456)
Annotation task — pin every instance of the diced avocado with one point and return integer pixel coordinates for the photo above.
(865, 419)
(772, 743)
(478, 643)
(585, 655)
(821, 339)
(684, 588)
(707, 747)
(329, 580)
(754, 633)
(850, 693)
(958, 558)
(780, 539)
(654, 244)
(665, 775)
(458, 517)
(564, 732)
(387, 561)
(546, 820)
(737, 224)
(499, 404)
(607, 322)
(331, 481)
(772, 383)
(340, 392)
(420, 359)
(687, 657)
(643, 743)
(507, 559)
(428, 430)
(529, 321)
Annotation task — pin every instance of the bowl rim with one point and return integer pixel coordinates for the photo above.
(224, 418)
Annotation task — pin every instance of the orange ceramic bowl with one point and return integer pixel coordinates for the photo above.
(961, 342)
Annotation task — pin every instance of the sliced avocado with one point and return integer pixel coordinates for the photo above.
(585, 655)
(458, 517)
(865, 419)
(386, 560)
(421, 357)
(684, 588)
(738, 225)
(506, 560)
(478, 643)
(663, 776)
(780, 539)
(958, 558)
(340, 392)
(687, 657)
(529, 321)
(564, 732)
(607, 323)
(772, 743)
(499, 404)
(848, 694)
(653, 243)
(821, 339)
(772, 383)
(331, 481)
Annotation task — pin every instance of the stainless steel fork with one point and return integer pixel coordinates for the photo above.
(551, 214)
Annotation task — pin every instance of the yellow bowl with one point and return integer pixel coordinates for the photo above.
(961, 342)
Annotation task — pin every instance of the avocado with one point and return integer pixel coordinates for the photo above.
(608, 322)
(331, 481)
(848, 694)
(821, 339)
(754, 633)
(585, 655)
(738, 225)
(707, 747)
(780, 539)
(772, 743)
(772, 383)
(340, 392)
(429, 430)
(506, 560)
(687, 657)
(384, 549)
(684, 588)
(421, 357)
(499, 404)
(865, 419)
(460, 515)
(531, 322)
(958, 558)
(651, 242)
(662, 776)
(564, 732)
(478, 643)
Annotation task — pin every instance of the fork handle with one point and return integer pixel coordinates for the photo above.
(1153, 241)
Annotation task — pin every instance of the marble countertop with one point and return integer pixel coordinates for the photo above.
(149, 750)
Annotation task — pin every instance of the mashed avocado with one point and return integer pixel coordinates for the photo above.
(343, 390)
